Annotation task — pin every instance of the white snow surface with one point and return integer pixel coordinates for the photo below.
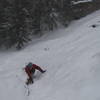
(71, 57)
(81, 1)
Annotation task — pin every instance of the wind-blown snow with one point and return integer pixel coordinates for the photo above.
(71, 57)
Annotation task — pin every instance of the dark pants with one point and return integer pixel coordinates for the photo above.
(30, 79)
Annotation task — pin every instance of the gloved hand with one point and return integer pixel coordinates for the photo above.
(44, 71)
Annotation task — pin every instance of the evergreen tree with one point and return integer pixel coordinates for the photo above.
(43, 16)
(64, 10)
(18, 19)
(3, 21)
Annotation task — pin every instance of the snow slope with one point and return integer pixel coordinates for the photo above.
(71, 57)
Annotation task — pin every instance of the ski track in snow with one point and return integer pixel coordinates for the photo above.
(71, 57)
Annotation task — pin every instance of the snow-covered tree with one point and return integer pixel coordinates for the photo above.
(18, 19)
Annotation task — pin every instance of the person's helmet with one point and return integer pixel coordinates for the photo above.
(30, 64)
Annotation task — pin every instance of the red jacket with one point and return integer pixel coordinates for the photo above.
(34, 66)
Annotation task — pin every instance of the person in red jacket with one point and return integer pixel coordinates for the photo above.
(30, 70)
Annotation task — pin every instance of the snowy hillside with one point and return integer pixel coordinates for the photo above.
(71, 57)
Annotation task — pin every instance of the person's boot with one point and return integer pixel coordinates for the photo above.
(29, 81)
